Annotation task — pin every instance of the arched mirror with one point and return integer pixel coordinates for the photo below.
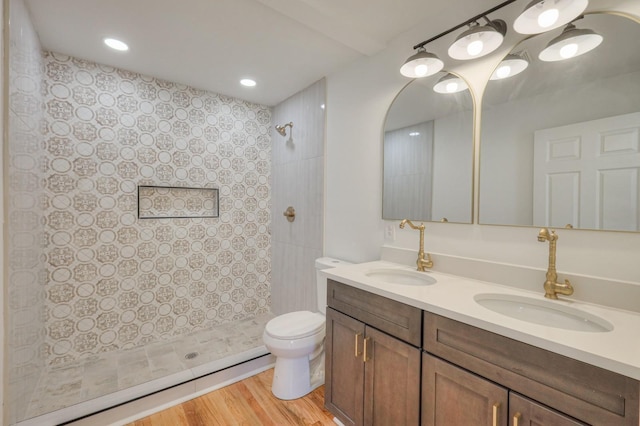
(560, 141)
(428, 152)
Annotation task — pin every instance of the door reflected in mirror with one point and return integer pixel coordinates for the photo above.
(428, 152)
(560, 141)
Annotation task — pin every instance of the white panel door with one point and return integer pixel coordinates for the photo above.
(588, 174)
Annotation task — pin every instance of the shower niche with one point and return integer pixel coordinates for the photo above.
(170, 202)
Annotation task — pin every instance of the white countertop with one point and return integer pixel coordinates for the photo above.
(453, 297)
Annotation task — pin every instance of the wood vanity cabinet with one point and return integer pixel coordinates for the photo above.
(544, 388)
(455, 397)
(525, 412)
(371, 377)
(463, 375)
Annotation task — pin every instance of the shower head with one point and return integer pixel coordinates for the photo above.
(283, 129)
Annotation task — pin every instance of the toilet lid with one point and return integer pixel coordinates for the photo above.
(295, 325)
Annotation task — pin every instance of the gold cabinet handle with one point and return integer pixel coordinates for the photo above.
(496, 407)
(366, 341)
(516, 419)
(357, 337)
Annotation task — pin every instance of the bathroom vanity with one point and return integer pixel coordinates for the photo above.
(361, 387)
(400, 354)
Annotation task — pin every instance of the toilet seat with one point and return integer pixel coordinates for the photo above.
(295, 325)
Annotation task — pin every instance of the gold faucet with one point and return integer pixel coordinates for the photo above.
(421, 262)
(551, 287)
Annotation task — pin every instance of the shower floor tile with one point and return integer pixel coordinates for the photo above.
(61, 386)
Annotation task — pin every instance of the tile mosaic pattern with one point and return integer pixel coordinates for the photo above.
(99, 375)
(116, 282)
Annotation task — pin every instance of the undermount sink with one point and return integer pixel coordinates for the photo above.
(400, 276)
(543, 312)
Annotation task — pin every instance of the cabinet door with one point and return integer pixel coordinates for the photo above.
(525, 412)
(452, 396)
(592, 394)
(392, 380)
(344, 372)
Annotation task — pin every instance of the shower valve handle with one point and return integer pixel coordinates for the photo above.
(290, 213)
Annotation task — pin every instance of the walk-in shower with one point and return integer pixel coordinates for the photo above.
(100, 299)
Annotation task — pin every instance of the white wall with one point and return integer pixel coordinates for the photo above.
(357, 100)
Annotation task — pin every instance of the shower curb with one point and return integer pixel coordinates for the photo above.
(152, 396)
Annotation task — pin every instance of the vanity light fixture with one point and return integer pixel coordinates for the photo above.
(450, 84)
(421, 64)
(545, 15)
(116, 44)
(414, 134)
(478, 40)
(511, 65)
(571, 43)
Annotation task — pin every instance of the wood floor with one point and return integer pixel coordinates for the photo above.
(248, 402)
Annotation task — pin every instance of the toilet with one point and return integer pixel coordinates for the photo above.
(296, 339)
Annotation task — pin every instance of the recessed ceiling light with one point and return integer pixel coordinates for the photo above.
(116, 44)
(247, 82)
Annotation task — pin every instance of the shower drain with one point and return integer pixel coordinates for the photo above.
(191, 355)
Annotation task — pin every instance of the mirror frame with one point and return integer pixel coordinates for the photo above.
(472, 141)
(479, 129)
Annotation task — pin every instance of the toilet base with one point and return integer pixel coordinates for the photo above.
(292, 378)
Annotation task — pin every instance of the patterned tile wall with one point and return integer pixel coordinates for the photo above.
(26, 272)
(116, 281)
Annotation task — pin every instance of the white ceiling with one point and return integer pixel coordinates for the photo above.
(285, 45)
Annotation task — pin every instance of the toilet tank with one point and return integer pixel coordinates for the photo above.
(321, 282)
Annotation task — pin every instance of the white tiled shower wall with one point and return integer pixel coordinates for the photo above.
(25, 270)
(408, 172)
(298, 181)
